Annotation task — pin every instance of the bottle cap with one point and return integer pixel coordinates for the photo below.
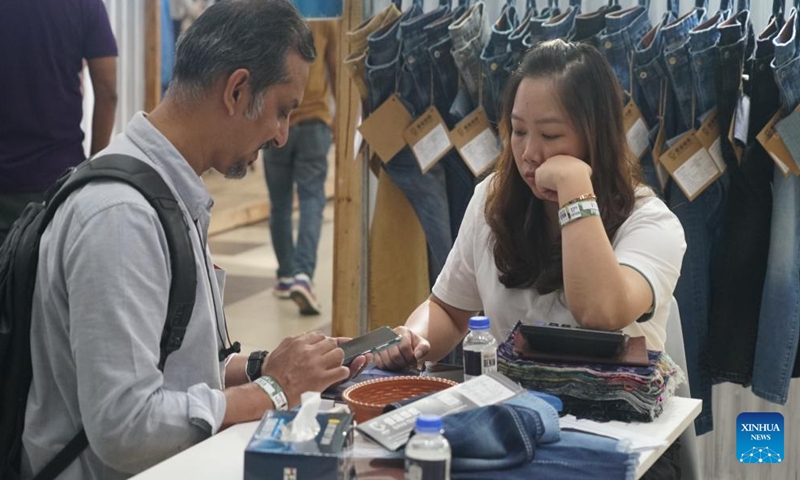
(429, 424)
(479, 323)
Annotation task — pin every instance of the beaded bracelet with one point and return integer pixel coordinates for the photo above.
(576, 210)
(585, 196)
(274, 391)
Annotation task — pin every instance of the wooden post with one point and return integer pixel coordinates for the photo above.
(152, 54)
(349, 299)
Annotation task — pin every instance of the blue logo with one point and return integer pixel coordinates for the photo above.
(759, 437)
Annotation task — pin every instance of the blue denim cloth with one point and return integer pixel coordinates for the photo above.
(303, 161)
(741, 264)
(589, 25)
(562, 25)
(679, 71)
(495, 55)
(624, 30)
(703, 53)
(650, 71)
(469, 35)
(427, 192)
(779, 322)
(507, 435)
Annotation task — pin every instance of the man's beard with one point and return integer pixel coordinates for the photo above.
(238, 170)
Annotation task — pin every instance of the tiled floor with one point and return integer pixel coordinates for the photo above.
(255, 317)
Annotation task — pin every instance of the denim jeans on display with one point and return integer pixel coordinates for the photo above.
(650, 72)
(624, 30)
(741, 263)
(703, 53)
(516, 41)
(495, 55)
(556, 455)
(426, 192)
(679, 70)
(562, 25)
(459, 179)
(589, 25)
(469, 35)
(303, 161)
(779, 321)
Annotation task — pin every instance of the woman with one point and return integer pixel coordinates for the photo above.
(609, 266)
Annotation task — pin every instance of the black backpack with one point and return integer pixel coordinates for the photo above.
(19, 257)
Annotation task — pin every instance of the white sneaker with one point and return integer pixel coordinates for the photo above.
(303, 295)
(281, 290)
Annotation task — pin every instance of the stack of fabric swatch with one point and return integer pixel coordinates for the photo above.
(595, 391)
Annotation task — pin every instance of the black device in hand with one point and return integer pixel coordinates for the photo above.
(374, 341)
(565, 339)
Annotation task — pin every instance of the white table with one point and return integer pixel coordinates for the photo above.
(222, 456)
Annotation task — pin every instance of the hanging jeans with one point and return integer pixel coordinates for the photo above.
(703, 54)
(589, 25)
(495, 55)
(701, 220)
(469, 35)
(740, 266)
(779, 321)
(426, 192)
(562, 25)
(459, 179)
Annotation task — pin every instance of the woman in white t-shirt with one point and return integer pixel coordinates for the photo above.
(563, 231)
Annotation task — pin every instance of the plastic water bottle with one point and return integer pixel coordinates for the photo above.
(428, 453)
(480, 349)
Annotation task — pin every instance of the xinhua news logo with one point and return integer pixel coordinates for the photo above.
(759, 437)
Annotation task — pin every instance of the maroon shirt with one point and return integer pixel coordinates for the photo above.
(42, 45)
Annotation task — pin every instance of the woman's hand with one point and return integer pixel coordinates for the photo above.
(408, 353)
(560, 171)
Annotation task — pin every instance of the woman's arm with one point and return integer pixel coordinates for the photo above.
(600, 293)
(432, 330)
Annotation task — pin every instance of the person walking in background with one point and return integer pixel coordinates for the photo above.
(42, 48)
(303, 161)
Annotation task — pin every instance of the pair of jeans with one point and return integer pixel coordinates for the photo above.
(589, 25)
(679, 72)
(703, 54)
(779, 320)
(624, 30)
(426, 192)
(738, 277)
(357, 38)
(469, 35)
(495, 55)
(303, 161)
(562, 25)
(498, 441)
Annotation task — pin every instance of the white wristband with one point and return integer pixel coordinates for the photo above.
(273, 391)
(574, 211)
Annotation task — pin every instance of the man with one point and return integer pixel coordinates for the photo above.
(303, 161)
(103, 277)
(42, 48)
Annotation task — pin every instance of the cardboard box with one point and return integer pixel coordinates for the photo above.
(267, 457)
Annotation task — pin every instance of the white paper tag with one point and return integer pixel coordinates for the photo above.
(742, 123)
(481, 151)
(698, 171)
(637, 138)
(431, 147)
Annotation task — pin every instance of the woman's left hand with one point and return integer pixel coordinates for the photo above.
(558, 171)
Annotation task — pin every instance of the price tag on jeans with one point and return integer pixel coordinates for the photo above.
(708, 135)
(771, 140)
(427, 136)
(635, 129)
(383, 129)
(476, 142)
(690, 165)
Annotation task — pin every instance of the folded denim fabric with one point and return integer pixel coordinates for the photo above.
(502, 436)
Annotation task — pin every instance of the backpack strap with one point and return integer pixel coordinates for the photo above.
(148, 182)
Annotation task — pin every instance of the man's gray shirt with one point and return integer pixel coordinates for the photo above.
(98, 312)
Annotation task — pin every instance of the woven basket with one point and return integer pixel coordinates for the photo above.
(367, 399)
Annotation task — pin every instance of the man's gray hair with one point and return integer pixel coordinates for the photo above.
(233, 34)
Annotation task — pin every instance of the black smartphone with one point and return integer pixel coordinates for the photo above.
(374, 341)
(573, 341)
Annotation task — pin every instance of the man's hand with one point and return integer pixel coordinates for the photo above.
(310, 362)
(359, 362)
(408, 353)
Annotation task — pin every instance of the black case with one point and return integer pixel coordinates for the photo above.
(573, 341)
